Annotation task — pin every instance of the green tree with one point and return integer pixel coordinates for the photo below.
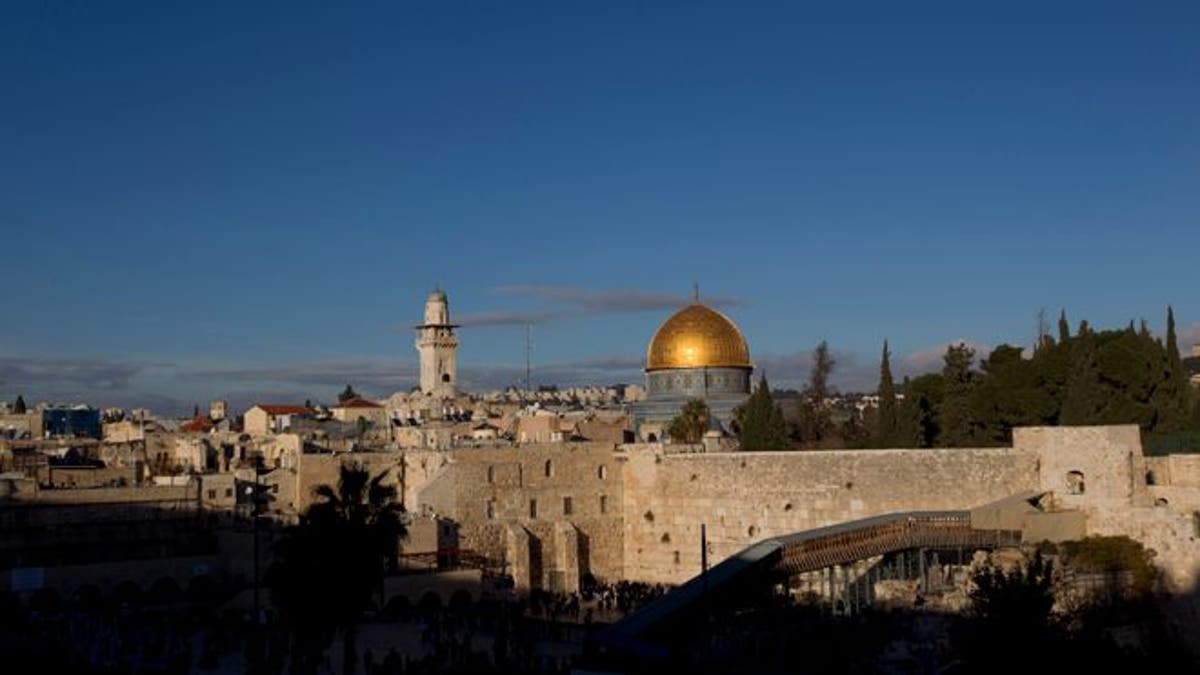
(328, 566)
(1064, 329)
(885, 420)
(814, 422)
(347, 394)
(1010, 606)
(1011, 391)
(691, 422)
(917, 419)
(955, 414)
(1084, 397)
(19, 405)
(760, 421)
(1172, 395)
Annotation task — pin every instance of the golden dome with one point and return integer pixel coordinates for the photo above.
(697, 337)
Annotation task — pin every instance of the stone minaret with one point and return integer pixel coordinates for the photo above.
(437, 345)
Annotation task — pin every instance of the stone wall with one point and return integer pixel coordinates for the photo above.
(1108, 458)
(743, 497)
(564, 500)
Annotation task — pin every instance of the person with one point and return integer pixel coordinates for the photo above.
(368, 661)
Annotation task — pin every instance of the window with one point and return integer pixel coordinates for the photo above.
(602, 472)
(603, 504)
(567, 506)
(676, 557)
(229, 492)
(533, 508)
(1075, 484)
(1151, 479)
(549, 469)
(491, 474)
(491, 509)
(212, 494)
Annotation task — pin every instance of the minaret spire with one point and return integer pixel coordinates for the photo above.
(695, 292)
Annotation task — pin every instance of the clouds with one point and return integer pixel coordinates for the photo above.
(854, 372)
(68, 373)
(571, 302)
(602, 370)
(931, 359)
(1187, 336)
(380, 375)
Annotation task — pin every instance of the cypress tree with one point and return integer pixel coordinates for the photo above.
(19, 405)
(1064, 329)
(1084, 396)
(886, 426)
(955, 414)
(1172, 395)
(760, 422)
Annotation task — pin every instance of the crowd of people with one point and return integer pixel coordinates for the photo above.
(538, 631)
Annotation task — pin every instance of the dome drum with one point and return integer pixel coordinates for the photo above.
(702, 382)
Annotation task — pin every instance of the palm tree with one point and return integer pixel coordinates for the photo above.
(329, 565)
(689, 425)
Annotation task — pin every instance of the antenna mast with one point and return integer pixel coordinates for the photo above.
(528, 351)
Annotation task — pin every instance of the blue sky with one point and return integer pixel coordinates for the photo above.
(251, 199)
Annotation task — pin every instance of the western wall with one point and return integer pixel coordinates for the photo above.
(634, 511)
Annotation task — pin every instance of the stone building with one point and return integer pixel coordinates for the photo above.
(696, 353)
(265, 418)
(437, 345)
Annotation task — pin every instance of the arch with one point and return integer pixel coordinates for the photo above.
(88, 597)
(201, 588)
(652, 438)
(1161, 501)
(164, 591)
(461, 601)
(45, 601)
(127, 593)
(1151, 479)
(10, 608)
(445, 377)
(491, 474)
(548, 469)
(430, 603)
(1076, 484)
(602, 472)
(397, 607)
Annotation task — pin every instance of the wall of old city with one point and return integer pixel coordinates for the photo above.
(743, 497)
(561, 501)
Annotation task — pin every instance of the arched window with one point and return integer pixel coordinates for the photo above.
(1075, 483)
(602, 472)
(549, 469)
(1151, 479)
(491, 474)
(491, 509)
